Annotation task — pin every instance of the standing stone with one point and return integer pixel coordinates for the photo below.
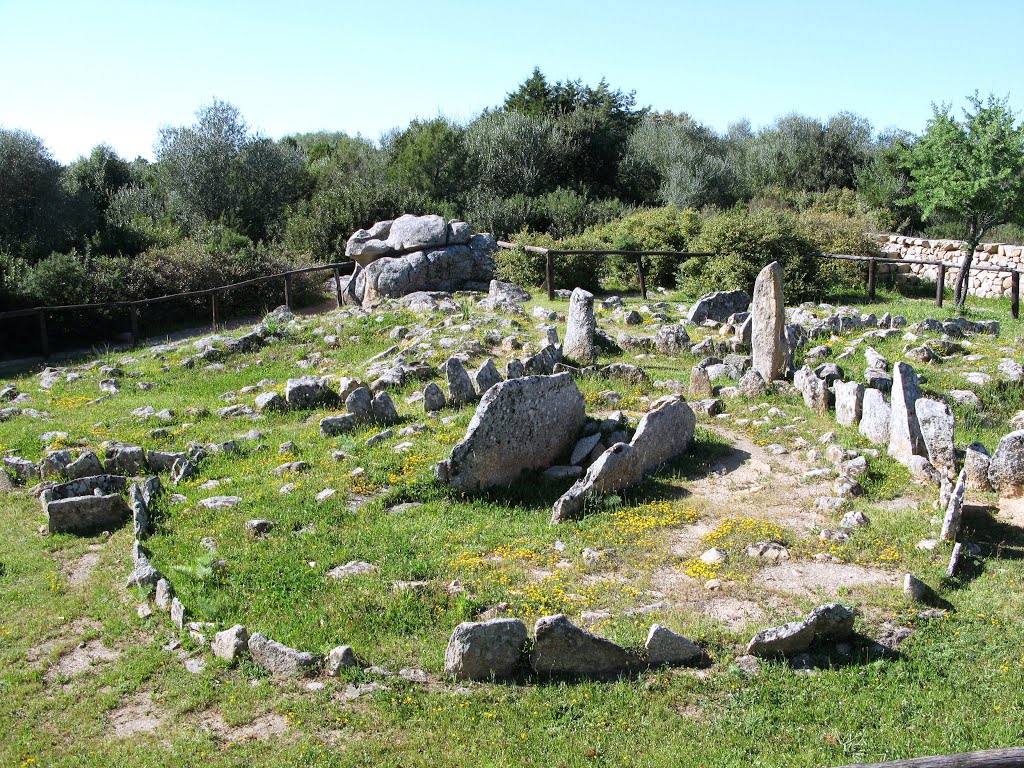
(976, 462)
(664, 646)
(664, 432)
(433, 398)
(618, 467)
(486, 649)
(875, 417)
(954, 510)
(814, 390)
(936, 421)
(520, 424)
(514, 369)
(905, 438)
(383, 409)
(849, 402)
(562, 648)
(140, 511)
(460, 386)
(487, 376)
(231, 643)
(700, 383)
(164, 595)
(768, 324)
(752, 385)
(360, 403)
(1006, 470)
(579, 334)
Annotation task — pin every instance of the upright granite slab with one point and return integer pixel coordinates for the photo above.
(768, 324)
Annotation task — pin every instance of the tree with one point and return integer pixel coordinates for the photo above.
(38, 214)
(972, 170)
(428, 157)
(195, 160)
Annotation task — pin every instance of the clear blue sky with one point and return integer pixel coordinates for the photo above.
(80, 73)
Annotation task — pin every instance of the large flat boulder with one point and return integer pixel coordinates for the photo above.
(481, 650)
(718, 306)
(520, 424)
(88, 514)
(562, 648)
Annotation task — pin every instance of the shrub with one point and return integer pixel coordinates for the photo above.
(743, 243)
(528, 269)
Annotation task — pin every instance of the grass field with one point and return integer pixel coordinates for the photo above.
(85, 681)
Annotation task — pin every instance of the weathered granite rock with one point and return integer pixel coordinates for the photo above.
(664, 646)
(231, 644)
(579, 343)
(125, 459)
(332, 426)
(768, 324)
(794, 637)
(485, 650)
(700, 383)
(976, 463)
(163, 461)
(954, 510)
(140, 511)
(280, 660)
(87, 514)
(917, 590)
(562, 648)
(849, 396)
(54, 464)
(443, 268)
(85, 486)
(501, 291)
(1006, 470)
(360, 403)
(382, 409)
(814, 390)
(21, 470)
(936, 422)
(672, 340)
(486, 377)
(433, 398)
(752, 384)
(309, 392)
(664, 432)
(460, 386)
(905, 438)
(163, 595)
(875, 417)
(86, 465)
(718, 306)
(923, 471)
(543, 363)
(520, 424)
(618, 467)
(338, 658)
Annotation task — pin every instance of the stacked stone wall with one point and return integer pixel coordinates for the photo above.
(985, 284)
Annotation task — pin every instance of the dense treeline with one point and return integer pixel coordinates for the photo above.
(555, 161)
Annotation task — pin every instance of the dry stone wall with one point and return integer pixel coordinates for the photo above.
(984, 284)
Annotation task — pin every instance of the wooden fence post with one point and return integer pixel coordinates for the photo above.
(940, 285)
(871, 279)
(288, 291)
(44, 341)
(337, 285)
(640, 275)
(549, 268)
(213, 310)
(133, 314)
(1015, 294)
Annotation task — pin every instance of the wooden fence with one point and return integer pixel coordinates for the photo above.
(872, 267)
(134, 307)
(550, 254)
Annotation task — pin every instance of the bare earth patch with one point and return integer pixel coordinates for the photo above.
(140, 715)
(78, 572)
(811, 578)
(80, 659)
(267, 726)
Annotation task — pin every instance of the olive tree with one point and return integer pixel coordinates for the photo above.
(971, 170)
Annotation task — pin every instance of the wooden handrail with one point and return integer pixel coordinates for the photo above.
(989, 758)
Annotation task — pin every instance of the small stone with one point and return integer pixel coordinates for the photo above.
(664, 646)
(230, 644)
(339, 658)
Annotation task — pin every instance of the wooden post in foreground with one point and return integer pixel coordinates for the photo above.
(640, 275)
(871, 279)
(549, 269)
(44, 341)
(288, 291)
(940, 285)
(1015, 294)
(213, 310)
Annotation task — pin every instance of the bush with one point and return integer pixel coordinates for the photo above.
(528, 269)
(743, 243)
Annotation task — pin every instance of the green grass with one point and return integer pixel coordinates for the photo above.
(955, 685)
